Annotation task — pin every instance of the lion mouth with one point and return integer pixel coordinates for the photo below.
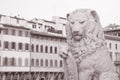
(77, 37)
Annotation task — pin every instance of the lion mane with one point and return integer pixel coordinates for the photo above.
(93, 36)
(87, 56)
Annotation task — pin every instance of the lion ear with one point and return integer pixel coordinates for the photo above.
(68, 31)
(95, 16)
(68, 15)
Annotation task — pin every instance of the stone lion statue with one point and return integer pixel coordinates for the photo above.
(86, 57)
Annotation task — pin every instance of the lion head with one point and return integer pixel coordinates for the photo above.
(84, 30)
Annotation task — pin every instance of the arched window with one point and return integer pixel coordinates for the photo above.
(41, 48)
(26, 33)
(51, 63)
(46, 49)
(55, 63)
(55, 49)
(9, 62)
(1, 76)
(26, 46)
(6, 31)
(51, 49)
(26, 62)
(6, 45)
(46, 63)
(13, 45)
(13, 32)
(5, 61)
(13, 63)
(0, 43)
(41, 62)
(32, 48)
(32, 62)
(37, 48)
(0, 60)
(20, 33)
(8, 76)
(37, 62)
(110, 45)
(19, 62)
(20, 46)
(61, 64)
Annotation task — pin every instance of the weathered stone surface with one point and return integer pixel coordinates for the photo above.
(86, 57)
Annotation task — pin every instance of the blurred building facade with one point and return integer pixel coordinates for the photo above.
(29, 50)
(112, 35)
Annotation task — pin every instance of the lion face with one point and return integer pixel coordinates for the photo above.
(83, 28)
(84, 32)
(77, 23)
(80, 23)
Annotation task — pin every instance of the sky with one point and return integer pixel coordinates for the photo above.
(108, 10)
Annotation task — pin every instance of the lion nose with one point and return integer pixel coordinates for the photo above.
(75, 32)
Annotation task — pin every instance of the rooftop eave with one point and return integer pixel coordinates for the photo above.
(110, 37)
(14, 26)
(47, 34)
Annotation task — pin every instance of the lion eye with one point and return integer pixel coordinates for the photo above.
(72, 22)
(82, 22)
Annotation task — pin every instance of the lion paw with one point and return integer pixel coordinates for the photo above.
(63, 53)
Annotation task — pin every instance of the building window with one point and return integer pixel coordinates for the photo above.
(19, 62)
(0, 31)
(117, 56)
(32, 62)
(19, 33)
(46, 63)
(26, 34)
(55, 63)
(55, 49)
(34, 25)
(41, 48)
(20, 46)
(110, 45)
(110, 54)
(41, 62)
(118, 34)
(6, 31)
(37, 62)
(8, 76)
(0, 60)
(51, 50)
(26, 46)
(117, 68)
(1, 77)
(13, 62)
(13, 45)
(46, 49)
(32, 48)
(26, 62)
(61, 64)
(5, 61)
(51, 63)
(37, 48)
(6, 45)
(0, 43)
(13, 32)
(116, 46)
